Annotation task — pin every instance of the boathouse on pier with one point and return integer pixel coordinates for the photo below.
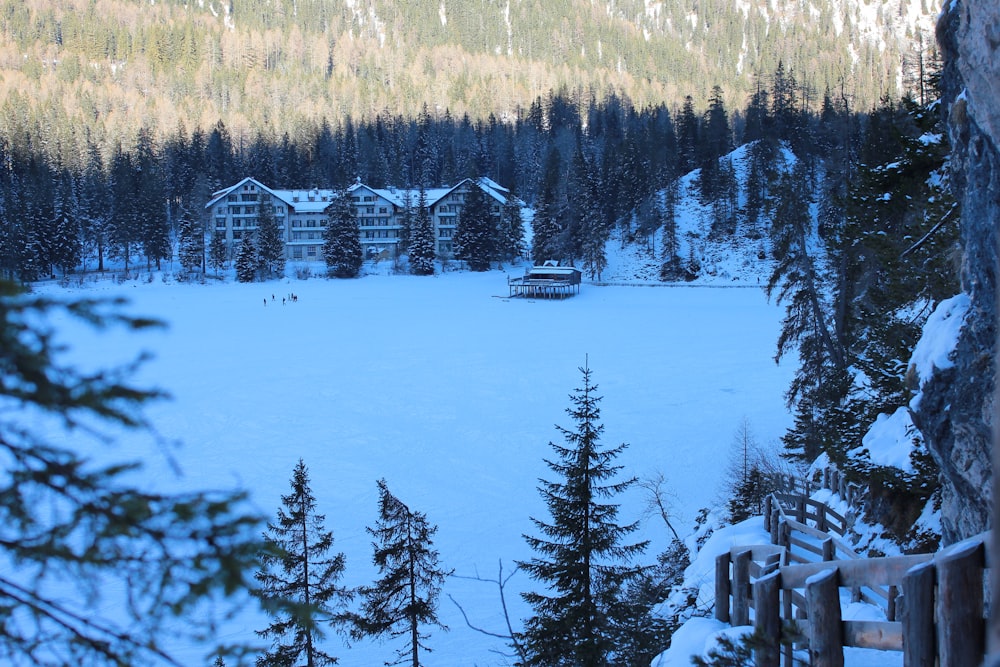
(548, 281)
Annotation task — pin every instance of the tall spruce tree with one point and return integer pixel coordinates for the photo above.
(422, 243)
(298, 578)
(797, 282)
(342, 238)
(190, 242)
(246, 261)
(510, 231)
(405, 597)
(582, 557)
(270, 245)
(218, 252)
(475, 236)
(545, 224)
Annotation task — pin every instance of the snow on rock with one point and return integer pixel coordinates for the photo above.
(937, 342)
(889, 441)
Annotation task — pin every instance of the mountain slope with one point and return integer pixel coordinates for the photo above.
(106, 67)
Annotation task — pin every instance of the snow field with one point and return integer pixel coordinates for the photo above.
(450, 391)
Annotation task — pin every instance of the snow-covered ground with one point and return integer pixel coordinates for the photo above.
(449, 391)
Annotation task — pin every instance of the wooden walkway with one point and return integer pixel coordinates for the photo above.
(933, 603)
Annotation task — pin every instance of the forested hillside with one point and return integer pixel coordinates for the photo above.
(75, 71)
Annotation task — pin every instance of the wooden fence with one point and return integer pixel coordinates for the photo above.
(933, 603)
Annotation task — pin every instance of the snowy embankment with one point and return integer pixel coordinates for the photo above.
(449, 391)
(889, 442)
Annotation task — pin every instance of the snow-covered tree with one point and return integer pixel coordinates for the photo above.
(510, 231)
(190, 242)
(270, 246)
(218, 252)
(342, 238)
(422, 247)
(405, 598)
(246, 261)
(475, 236)
(298, 578)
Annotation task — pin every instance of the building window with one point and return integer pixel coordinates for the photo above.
(311, 223)
(297, 252)
(220, 222)
(296, 223)
(310, 251)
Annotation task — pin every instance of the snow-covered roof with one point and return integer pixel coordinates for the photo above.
(316, 200)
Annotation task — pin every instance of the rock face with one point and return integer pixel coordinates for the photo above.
(956, 412)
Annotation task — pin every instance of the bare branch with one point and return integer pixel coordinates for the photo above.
(501, 583)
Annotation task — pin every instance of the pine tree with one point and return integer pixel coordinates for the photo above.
(67, 248)
(270, 246)
(150, 201)
(246, 261)
(510, 231)
(342, 238)
(217, 252)
(422, 244)
(191, 243)
(298, 580)
(475, 236)
(545, 224)
(797, 282)
(84, 539)
(405, 598)
(581, 557)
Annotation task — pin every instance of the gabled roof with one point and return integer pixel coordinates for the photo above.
(316, 200)
(216, 196)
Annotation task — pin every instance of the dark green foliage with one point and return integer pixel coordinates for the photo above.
(510, 231)
(217, 252)
(342, 238)
(581, 557)
(422, 244)
(190, 243)
(104, 569)
(796, 282)
(298, 580)
(476, 234)
(246, 261)
(405, 597)
(270, 245)
(545, 224)
(729, 653)
(748, 496)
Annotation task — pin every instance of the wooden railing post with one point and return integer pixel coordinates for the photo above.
(959, 609)
(835, 481)
(767, 619)
(722, 587)
(821, 517)
(826, 478)
(800, 509)
(776, 525)
(826, 643)
(741, 588)
(918, 616)
(767, 512)
(829, 550)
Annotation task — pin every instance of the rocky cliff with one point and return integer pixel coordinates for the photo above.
(956, 411)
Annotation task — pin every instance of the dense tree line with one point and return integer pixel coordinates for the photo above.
(850, 208)
(100, 70)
